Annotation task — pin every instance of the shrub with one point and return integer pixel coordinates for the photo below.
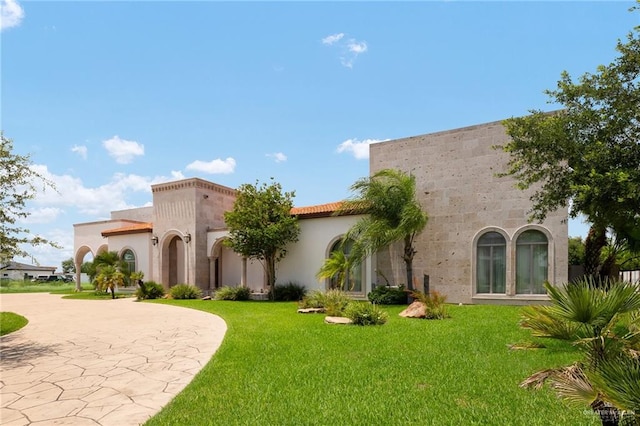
(150, 290)
(385, 295)
(365, 313)
(333, 301)
(315, 299)
(185, 291)
(233, 293)
(289, 292)
(434, 302)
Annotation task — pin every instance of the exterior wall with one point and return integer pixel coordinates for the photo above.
(188, 207)
(141, 214)
(457, 185)
(141, 247)
(305, 257)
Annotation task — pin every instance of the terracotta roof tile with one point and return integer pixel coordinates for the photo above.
(137, 228)
(320, 210)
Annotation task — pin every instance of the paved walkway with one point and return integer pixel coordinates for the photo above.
(89, 362)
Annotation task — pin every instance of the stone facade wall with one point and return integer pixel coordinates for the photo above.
(189, 207)
(141, 214)
(458, 187)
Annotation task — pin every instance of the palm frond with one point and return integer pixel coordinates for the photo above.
(569, 382)
(619, 381)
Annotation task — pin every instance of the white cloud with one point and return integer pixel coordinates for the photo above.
(359, 149)
(11, 14)
(357, 47)
(278, 157)
(333, 38)
(71, 193)
(81, 150)
(216, 166)
(123, 150)
(43, 215)
(350, 49)
(177, 175)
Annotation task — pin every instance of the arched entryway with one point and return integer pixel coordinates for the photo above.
(173, 262)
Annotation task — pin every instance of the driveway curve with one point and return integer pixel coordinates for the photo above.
(90, 362)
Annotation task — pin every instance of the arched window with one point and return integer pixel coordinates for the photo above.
(353, 279)
(491, 263)
(130, 260)
(532, 263)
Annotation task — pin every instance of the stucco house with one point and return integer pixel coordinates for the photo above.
(478, 246)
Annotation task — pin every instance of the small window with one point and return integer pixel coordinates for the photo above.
(491, 263)
(532, 264)
(130, 260)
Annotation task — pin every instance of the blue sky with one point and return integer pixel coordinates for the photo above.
(110, 97)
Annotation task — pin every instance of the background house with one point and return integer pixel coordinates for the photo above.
(15, 271)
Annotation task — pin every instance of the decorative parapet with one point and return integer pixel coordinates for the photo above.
(192, 183)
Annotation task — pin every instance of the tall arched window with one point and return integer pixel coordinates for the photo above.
(130, 260)
(491, 263)
(353, 280)
(532, 264)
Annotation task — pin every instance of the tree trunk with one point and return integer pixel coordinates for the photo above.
(113, 292)
(594, 243)
(409, 252)
(270, 269)
(609, 415)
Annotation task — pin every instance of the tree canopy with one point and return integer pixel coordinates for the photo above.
(587, 154)
(260, 224)
(19, 183)
(393, 213)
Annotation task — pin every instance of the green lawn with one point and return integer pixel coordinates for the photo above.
(94, 295)
(277, 367)
(30, 287)
(10, 322)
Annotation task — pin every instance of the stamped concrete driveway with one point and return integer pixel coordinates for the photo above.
(90, 362)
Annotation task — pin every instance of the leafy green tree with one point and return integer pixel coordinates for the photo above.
(19, 183)
(68, 266)
(260, 225)
(586, 155)
(86, 267)
(393, 213)
(603, 321)
(576, 251)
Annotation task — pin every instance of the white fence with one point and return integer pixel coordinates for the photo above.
(631, 276)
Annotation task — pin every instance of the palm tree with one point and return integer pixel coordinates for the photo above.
(393, 213)
(603, 320)
(107, 258)
(109, 278)
(336, 266)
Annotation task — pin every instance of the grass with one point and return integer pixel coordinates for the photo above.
(10, 322)
(95, 295)
(277, 367)
(30, 287)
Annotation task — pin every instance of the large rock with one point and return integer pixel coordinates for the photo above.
(337, 320)
(415, 310)
(310, 310)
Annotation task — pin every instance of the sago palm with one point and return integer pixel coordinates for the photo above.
(109, 278)
(602, 320)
